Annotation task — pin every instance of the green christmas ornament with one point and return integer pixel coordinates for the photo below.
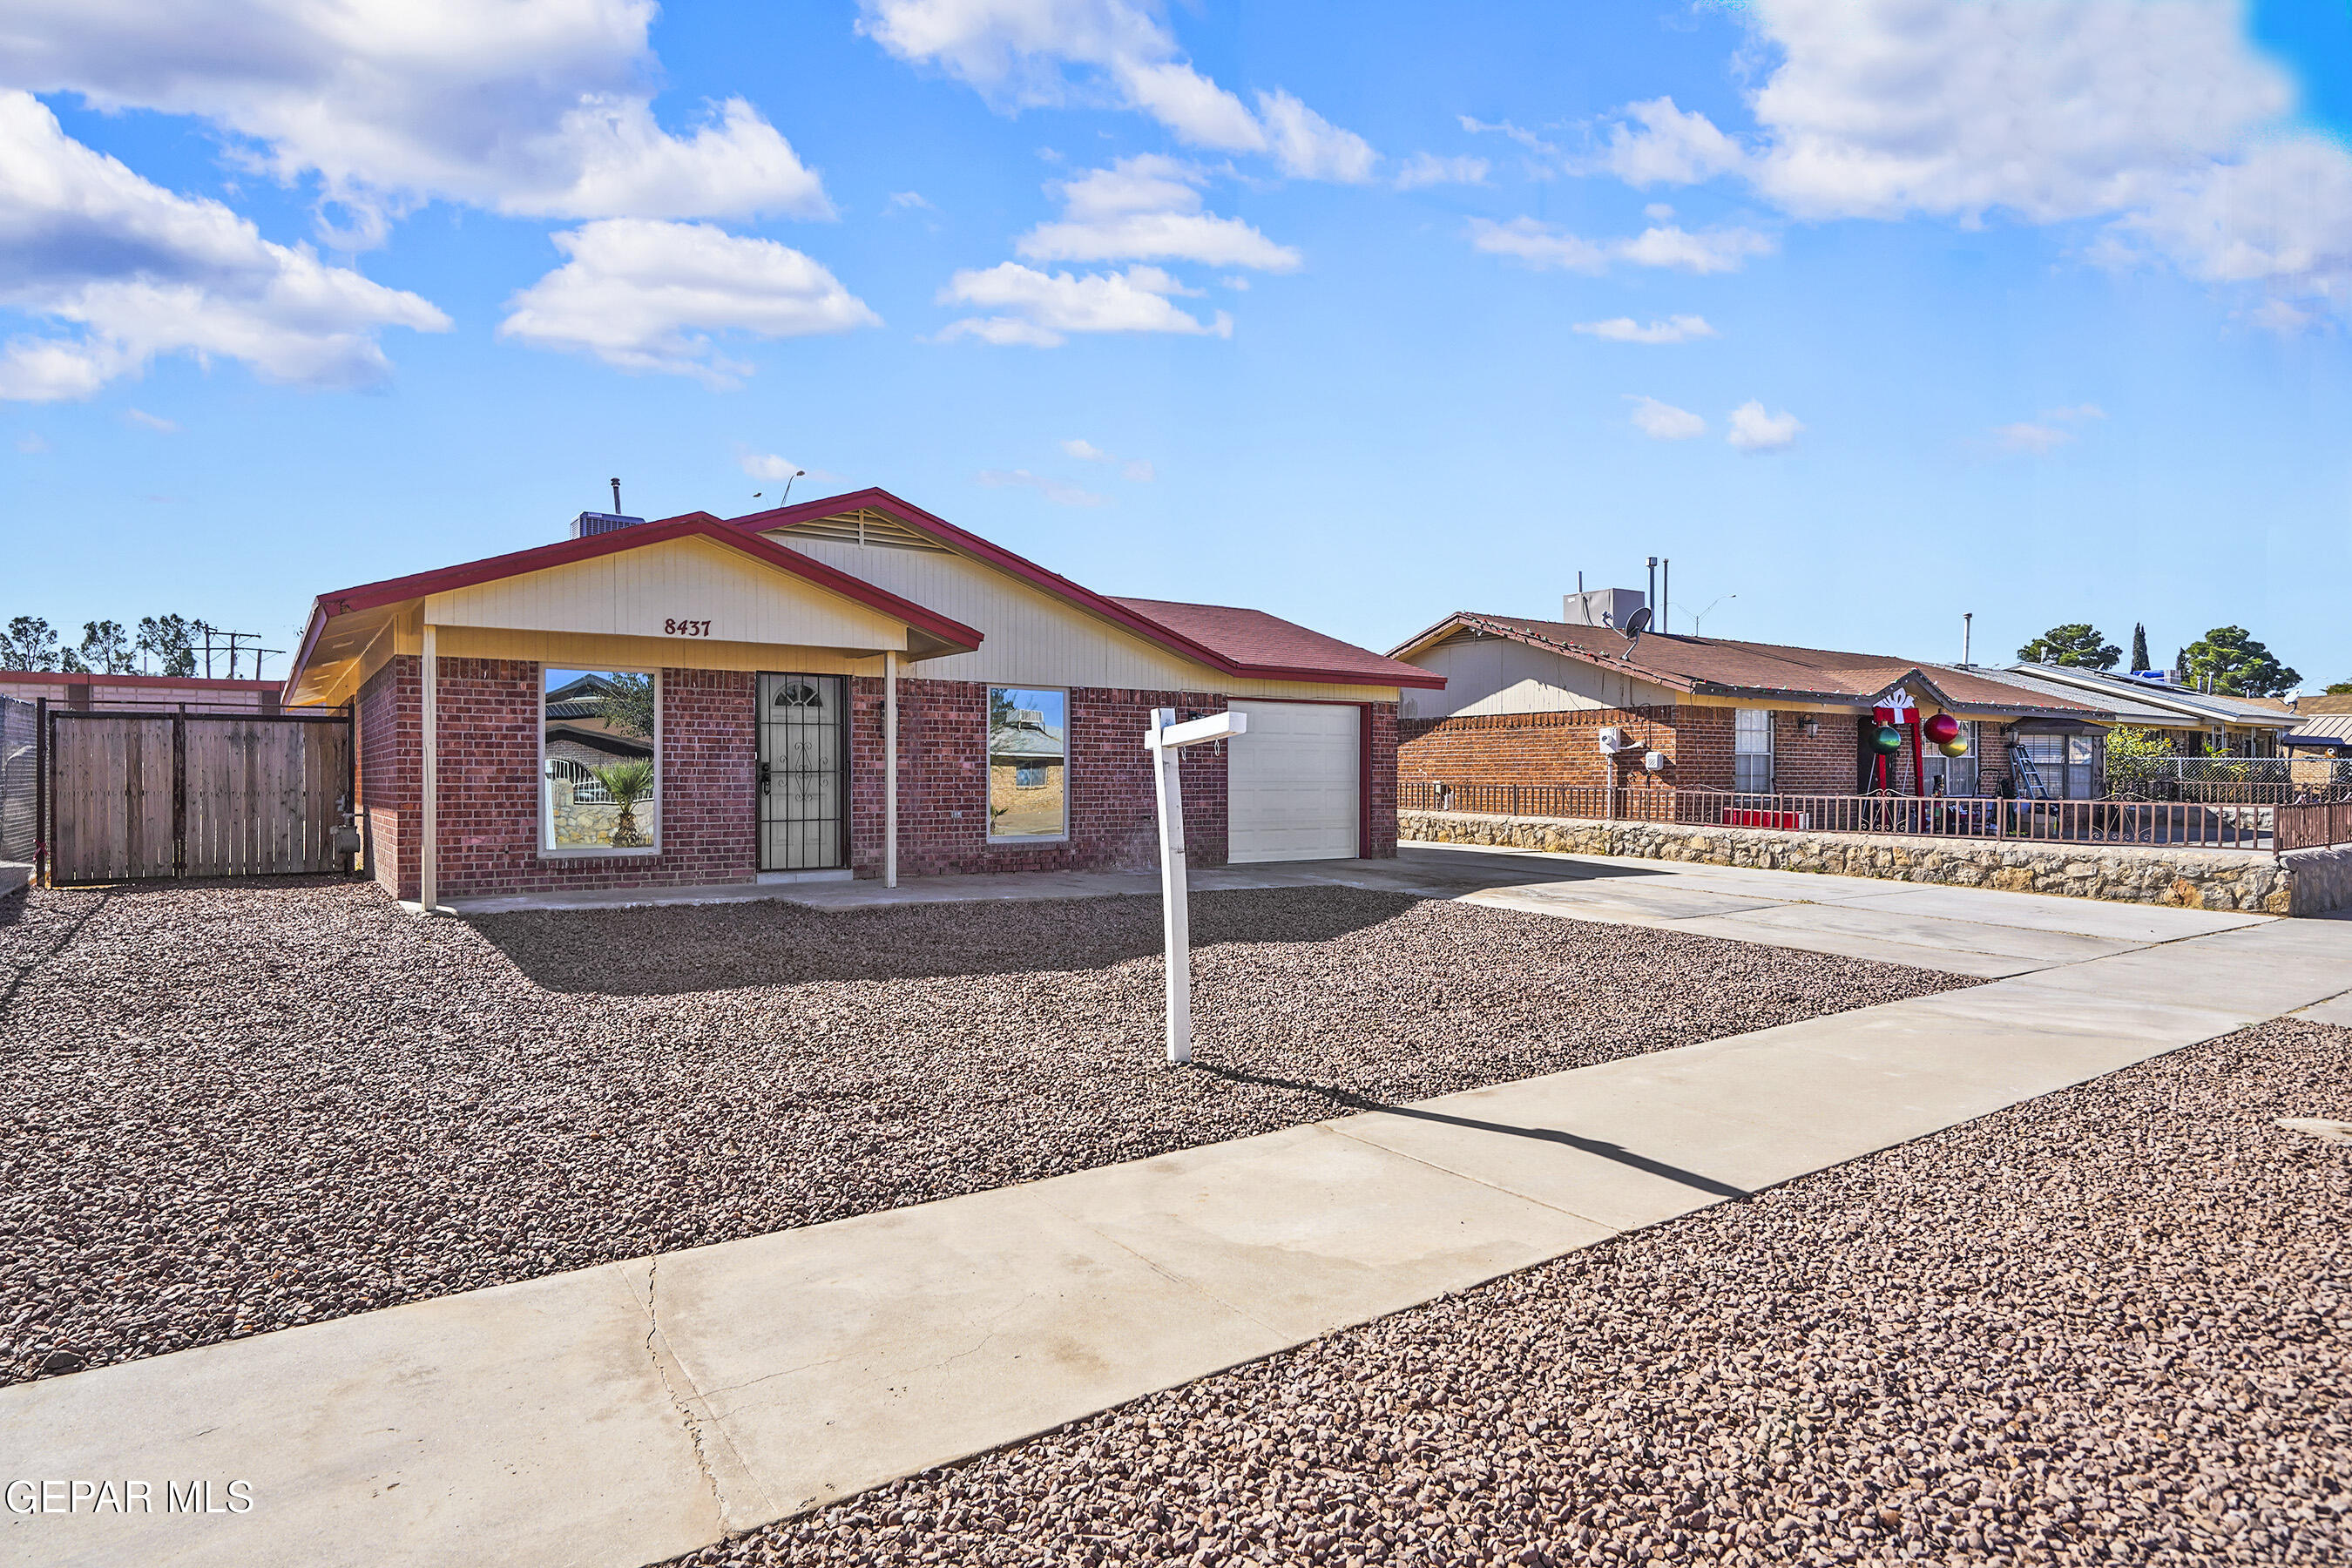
(1888, 740)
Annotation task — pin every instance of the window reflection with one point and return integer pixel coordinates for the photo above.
(1028, 792)
(598, 791)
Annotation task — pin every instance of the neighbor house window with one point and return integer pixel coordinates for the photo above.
(1752, 752)
(599, 770)
(1028, 764)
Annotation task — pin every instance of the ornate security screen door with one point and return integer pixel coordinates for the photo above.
(803, 783)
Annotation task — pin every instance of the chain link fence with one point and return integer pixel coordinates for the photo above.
(2232, 781)
(20, 788)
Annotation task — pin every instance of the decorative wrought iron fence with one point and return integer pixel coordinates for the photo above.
(2173, 824)
(2314, 827)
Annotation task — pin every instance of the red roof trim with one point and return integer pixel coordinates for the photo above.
(1053, 583)
(176, 682)
(564, 553)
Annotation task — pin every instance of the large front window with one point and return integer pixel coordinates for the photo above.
(599, 765)
(1028, 764)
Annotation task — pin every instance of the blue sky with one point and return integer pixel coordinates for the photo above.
(1867, 314)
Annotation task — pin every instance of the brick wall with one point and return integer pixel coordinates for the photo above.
(943, 782)
(489, 804)
(1561, 749)
(1381, 780)
(489, 837)
(1820, 763)
(391, 715)
(1532, 748)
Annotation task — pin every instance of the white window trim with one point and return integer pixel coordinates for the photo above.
(1770, 754)
(987, 766)
(546, 834)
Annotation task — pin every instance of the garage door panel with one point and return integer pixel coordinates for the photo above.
(1291, 787)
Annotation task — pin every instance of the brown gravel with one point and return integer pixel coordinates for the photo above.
(236, 1108)
(2108, 1326)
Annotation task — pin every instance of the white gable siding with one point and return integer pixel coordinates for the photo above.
(1032, 638)
(642, 593)
(1495, 675)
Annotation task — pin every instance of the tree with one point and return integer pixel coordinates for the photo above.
(627, 704)
(31, 643)
(2339, 688)
(105, 649)
(2236, 664)
(2077, 643)
(2139, 648)
(169, 641)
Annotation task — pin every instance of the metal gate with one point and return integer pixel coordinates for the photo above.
(803, 772)
(133, 796)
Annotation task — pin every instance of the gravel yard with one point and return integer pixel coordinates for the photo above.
(236, 1108)
(2108, 1326)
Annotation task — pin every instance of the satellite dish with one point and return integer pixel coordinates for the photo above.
(1638, 622)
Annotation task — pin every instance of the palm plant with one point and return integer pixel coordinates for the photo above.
(627, 782)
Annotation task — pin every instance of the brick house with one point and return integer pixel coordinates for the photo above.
(1525, 702)
(773, 667)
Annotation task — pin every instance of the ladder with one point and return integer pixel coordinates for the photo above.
(2021, 767)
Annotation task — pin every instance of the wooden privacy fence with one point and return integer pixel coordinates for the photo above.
(134, 795)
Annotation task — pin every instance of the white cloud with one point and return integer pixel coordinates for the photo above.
(1147, 208)
(2164, 120)
(31, 443)
(1521, 134)
(1054, 491)
(535, 109)
(1038, 308)
(1625, 329)
(1541, 246)
(2051, 431)
(1713, 250)
(1025, 53)
(1136, 471)
(1664, 421)
(1425, 169)
(147, 421)
(1753, 430)
(2026, 437)
(902, 200)
(768, 466)
(1309, 147)
(141, 271)
(640, 294)
(1671, 147)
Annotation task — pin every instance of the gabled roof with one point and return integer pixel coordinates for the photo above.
(952, 635)
(1238, 642)
(2203, 706)
(1720, 667)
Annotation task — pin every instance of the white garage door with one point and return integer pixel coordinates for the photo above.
(1290, 783)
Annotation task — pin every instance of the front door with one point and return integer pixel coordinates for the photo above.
(803, 772)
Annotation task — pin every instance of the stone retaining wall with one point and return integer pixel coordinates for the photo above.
(2306, 882)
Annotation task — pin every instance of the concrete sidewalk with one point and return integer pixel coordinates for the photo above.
(625, 1414)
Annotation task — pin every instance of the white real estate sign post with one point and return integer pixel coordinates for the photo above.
(1166, 740)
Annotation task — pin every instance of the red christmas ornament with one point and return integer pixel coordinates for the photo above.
(1942, 729)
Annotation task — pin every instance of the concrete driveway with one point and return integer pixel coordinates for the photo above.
(1960, 930)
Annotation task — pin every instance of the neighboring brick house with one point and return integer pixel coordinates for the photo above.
(761, 661)
(1525, 703)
